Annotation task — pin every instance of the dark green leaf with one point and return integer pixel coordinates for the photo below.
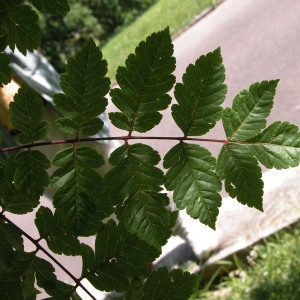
(26, 114)
(200, 95)
(13, 199)
(134, 171)
(21, 27)
(135, 291)
(77, 189)
(59, 238)
(242, 175)
(135, 186)
(192, 177)
(278, 146)
(176, 285)
(13, 236)
(250, 107)
(30, 174)
(144, 84)
(84, 86)
(145, 214)
(78, 186)
(53, 7)
(18, 282)
(104, 209)
(88, 259)
(7, 254)
(47, 280)
(5, 70)
(83, 156)
(119, 256)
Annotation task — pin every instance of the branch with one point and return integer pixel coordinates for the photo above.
(123, 138)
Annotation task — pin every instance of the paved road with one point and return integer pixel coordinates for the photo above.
(259, 40)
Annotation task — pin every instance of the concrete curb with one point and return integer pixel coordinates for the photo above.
(238, 226)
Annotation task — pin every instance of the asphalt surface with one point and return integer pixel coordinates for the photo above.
(259, 40)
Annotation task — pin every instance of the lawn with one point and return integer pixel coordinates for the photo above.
(272, 271)
(176, 14)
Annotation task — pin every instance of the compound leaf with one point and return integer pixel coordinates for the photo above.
(144, 83)
(26, 112)
(85, 86)
(176, 285)
(5, 70)
(200, 95)
(250, 107)
(242, 174)
(135, 185)
(119, 256)
(59, 238)
(53, 7)
(192, 176)
(278, 146)
(19, 26)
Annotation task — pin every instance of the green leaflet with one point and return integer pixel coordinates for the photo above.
(144, 84)
(250, 107)
(77, 185)
(191, 175)
(26, 114)
(146, 215)
(200, 95)
(84, 86)
(30, 174)
(242, 175)
(59, 238)
(5, 70)
(118, 257)
(18, 282)
(135, 185)
(46, 279)
(176, 285)
(28, 269)
(19, 26)
(11, 238)
(53, 7)
(278, 146)
(13, 198)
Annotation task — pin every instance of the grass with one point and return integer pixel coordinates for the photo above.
(272, 271)
(176, 14)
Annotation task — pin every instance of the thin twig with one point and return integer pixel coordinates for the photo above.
(41, 248)
(124, 138)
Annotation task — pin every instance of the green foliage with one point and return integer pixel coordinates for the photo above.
(144, 84)
(30, 106)
(100, 19)
(135, 187)
(192, 177)
(131, 193)
(84, 94)
(200, 95)
(18, 26)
